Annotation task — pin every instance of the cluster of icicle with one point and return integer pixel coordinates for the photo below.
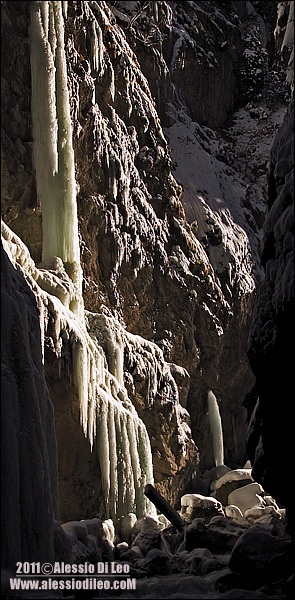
(52, 130)
(107, 414)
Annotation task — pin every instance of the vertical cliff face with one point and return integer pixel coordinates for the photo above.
(167, 296)
(28, 442)
(270, 347)
(270, 351)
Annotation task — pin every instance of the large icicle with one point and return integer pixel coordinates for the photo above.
(52, 131)
(216, 429)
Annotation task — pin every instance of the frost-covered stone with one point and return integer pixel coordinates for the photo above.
(109, 531)
(261, 514)
(235, 513)
(127, 526)
(247, 497)
(122, 548)
(232, 475)
(196, 505)
(227, 483)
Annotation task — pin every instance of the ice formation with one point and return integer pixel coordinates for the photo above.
(52, 133)
(216, 429)
(108, 416)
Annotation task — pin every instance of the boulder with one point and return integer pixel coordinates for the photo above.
(205, 566)
(196, 505)
(247, 497)
(261, 554)
(156, 562)
(126, 527)
(234, 512)
(94, 526)
(75, 530)
(263, 514)
(121, 549)
(93, 549)
(146, 521)
(228, 482)
(133, 554)
(219, 536)
(148, 539)
(62, 545)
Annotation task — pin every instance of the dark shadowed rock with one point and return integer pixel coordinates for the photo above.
(261, 555)
(155, 562)
(270, 434)
(28, 445)
(219, 536)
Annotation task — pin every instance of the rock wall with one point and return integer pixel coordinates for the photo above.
(28, 442)
(270, 346)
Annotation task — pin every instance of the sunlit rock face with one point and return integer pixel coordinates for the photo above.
(270, 354)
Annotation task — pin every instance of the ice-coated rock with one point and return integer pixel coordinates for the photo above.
(109, 531)
(122, 548)
(247, 497)
(235, 513)
(126, 526)
(196, 505)
(228, 482)
(262, 514)
(231, 475)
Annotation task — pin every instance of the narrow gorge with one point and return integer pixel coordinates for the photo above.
(148, 295)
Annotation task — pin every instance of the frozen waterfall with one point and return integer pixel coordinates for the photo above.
(107, 414)
(216, 429)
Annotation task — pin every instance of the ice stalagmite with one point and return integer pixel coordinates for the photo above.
(216, 429)
(52, 132)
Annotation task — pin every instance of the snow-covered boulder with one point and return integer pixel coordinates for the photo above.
(196, 505)
(247, 497)
(227, 483)
(262, 514)
(234, 512)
